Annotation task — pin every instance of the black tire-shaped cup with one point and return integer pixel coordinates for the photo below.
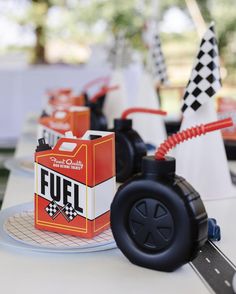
(98, 121)
(158, 220)
(130, 149)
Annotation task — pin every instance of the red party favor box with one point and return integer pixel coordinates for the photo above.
(75, 184)
(63, 99)
(75, 119)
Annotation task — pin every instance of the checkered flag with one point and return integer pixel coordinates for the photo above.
(52, 209)
(69, 212)
(205, 78)
(157, 60)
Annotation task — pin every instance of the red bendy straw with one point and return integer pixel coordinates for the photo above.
(90, 84)
(102, 92)
(190, 133)
(64, 91)
(61, 91)
(141, 110)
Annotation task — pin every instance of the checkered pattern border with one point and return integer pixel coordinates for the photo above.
(205, 78)
(159, 70)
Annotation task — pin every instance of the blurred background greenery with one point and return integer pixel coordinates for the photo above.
(52, 31)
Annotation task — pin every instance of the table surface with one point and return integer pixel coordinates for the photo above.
(100, 272)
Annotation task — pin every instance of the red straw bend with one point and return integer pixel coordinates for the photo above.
(190, 133)
(103, 92)
(127, 112)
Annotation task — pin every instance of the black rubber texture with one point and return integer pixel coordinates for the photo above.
(101, 101)
(172, 127)
(166, 167)
(98, 121)
(42, 145)
(184, 225)
(130, 150)
(149, 217)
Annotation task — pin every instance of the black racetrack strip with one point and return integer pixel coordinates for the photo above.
(215, 269)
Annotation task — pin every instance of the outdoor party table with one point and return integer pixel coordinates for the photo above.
(108, 271)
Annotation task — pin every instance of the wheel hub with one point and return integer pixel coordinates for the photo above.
(151, 224)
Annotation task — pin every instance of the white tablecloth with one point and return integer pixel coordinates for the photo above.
(25, 272)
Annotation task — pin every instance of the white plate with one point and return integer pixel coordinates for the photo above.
(21, 164)
(21, 236)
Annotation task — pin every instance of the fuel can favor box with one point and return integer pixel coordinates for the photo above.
(75, 119)
(63, 98)
(75, 184)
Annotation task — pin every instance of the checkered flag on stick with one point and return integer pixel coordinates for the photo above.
(52, 209)
(205, 78)
(158, 65)
(69, 212)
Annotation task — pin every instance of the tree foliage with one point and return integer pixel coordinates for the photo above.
(80, 18)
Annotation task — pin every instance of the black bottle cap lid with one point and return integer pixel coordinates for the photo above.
(86, 97)
(150, 165)
(44, 114)
(96, 106)
(122, 124)
(42, 146)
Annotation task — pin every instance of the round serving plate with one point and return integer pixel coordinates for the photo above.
(20, 164)
(17, 230)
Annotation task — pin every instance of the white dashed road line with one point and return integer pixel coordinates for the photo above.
(215, 269)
